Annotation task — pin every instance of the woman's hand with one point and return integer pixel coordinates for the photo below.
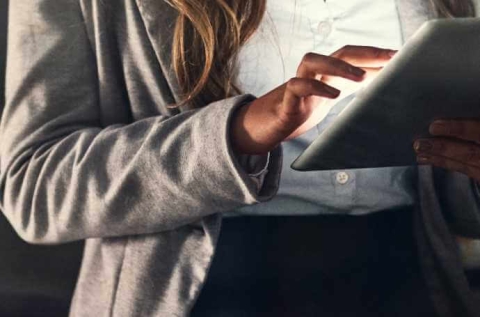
(455, 146)
(299, 104)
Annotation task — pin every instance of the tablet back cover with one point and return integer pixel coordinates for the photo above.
(435, 75)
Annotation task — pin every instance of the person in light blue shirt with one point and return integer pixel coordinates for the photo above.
(346, 274)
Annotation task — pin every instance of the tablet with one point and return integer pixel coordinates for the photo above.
(435, 75)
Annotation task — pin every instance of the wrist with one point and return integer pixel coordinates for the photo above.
(248, 132)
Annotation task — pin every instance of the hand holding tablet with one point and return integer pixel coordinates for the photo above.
(456, 146)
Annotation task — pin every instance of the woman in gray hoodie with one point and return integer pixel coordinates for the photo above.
(127, 124)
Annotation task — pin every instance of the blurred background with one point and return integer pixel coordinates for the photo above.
(34, 280)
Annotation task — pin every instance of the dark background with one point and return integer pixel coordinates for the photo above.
(34, 280)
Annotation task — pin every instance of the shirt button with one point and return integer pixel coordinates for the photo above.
(342, 178)
(324, 28)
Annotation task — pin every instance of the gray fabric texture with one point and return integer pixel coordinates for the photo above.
(90, 150)
(439, 255)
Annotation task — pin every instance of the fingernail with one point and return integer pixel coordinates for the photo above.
(392, 53)
(439, 127)
(332, 91)
(423, 146)
(356, 71)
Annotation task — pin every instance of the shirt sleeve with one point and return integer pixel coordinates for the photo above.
(256, 166)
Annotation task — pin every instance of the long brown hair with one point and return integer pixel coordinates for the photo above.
(454, 8)
(209, 33)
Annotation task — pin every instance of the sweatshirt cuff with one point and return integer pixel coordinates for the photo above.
(260, 175)
(256, 166)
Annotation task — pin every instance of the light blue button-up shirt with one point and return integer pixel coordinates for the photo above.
(272, 56)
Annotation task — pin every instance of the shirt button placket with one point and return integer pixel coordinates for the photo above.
(324, 26)
(345, 189)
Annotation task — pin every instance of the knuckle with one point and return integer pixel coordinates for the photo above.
(306, 84)
(311, 85)
(342, 51)
(307, 58)
(292, 83)
(349, 50)
(301, 70)
(473, 154)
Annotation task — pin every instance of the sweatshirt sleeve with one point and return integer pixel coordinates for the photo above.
(64, 176)
(256, 166)
(459, 196)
